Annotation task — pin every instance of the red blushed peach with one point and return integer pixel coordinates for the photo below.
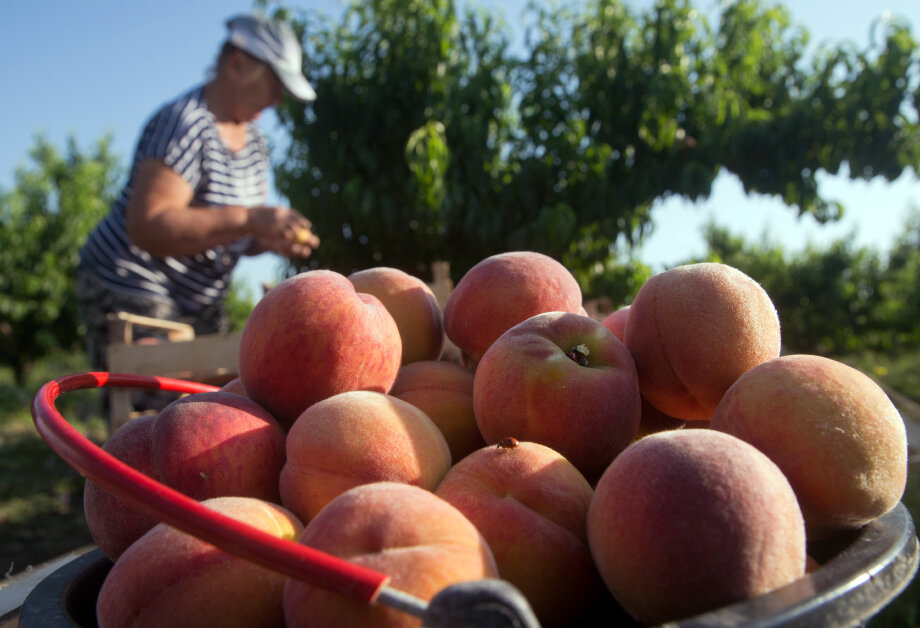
(413, 306)
(830, 428)
(562, 380)
(170, 578)
(693, 330)
(423, 543)
(313, 336)
(501, 291)
(616, 322)
(357, 438)
(214, 444)
(530, 504)
(686, 521)
(443, 391)
(113, 524)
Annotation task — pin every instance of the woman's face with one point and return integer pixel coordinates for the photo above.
(257, 87)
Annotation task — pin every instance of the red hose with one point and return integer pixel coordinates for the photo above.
(172, 507)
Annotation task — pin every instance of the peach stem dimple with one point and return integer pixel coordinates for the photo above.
(579, 354)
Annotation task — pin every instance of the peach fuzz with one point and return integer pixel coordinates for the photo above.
(831, 429)
(413, 306)
(501, 291)
(686, 521)
(213, 444)
(419, 540)
(443, 391)
(111, 522)
(562, 380)
(357, 438)
(530, 504)
(170, 578)
(313, 336)
(693, 330)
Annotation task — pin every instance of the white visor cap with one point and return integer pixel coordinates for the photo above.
(276, 44)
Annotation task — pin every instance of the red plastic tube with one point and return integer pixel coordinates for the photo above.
(172, 507)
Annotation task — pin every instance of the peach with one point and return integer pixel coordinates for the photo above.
(830, 428)
(170, 578)
(654, 420)
(234, 386)
(213, 444)
(443, 391)
(313, 336)
(111, 522)
(686, 521)
(423, 543)
(530, 504)
(501, 291)
(413, 306)
(562, 380)
(693, 330)
(357, 438)
(616, 322)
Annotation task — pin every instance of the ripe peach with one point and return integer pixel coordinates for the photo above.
(313, 336)
(356, 438)
(501, 291)
(234, 386)
(830, 428)
(113, 524)
(686, 521)
(616, 322)
(170, 578)
(213, 444)
(530, 504)
(423, 543)
(443, 391)
(562, 380)
(413, 306)
(693, 330)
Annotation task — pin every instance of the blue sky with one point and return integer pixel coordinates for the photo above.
(101, 66)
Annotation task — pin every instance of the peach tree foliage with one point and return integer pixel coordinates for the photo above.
(44, 219)
(434, 138)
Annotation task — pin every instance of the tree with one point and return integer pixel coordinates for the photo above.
(431, 140)
(898, 289)
(44, 220)
(403, 151)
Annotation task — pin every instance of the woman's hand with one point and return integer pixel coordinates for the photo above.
(282, 230)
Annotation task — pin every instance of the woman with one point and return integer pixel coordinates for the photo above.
(194, 200)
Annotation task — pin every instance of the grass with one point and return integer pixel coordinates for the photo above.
(41, 497)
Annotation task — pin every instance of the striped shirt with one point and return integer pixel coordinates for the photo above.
(183, 135)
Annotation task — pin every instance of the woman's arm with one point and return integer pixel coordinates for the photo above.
(161, 220)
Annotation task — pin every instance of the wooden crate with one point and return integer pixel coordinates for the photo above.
(210, 359)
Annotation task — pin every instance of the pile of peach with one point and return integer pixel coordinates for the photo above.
(559, 454)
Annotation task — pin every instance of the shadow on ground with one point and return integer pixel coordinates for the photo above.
(41, 503)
